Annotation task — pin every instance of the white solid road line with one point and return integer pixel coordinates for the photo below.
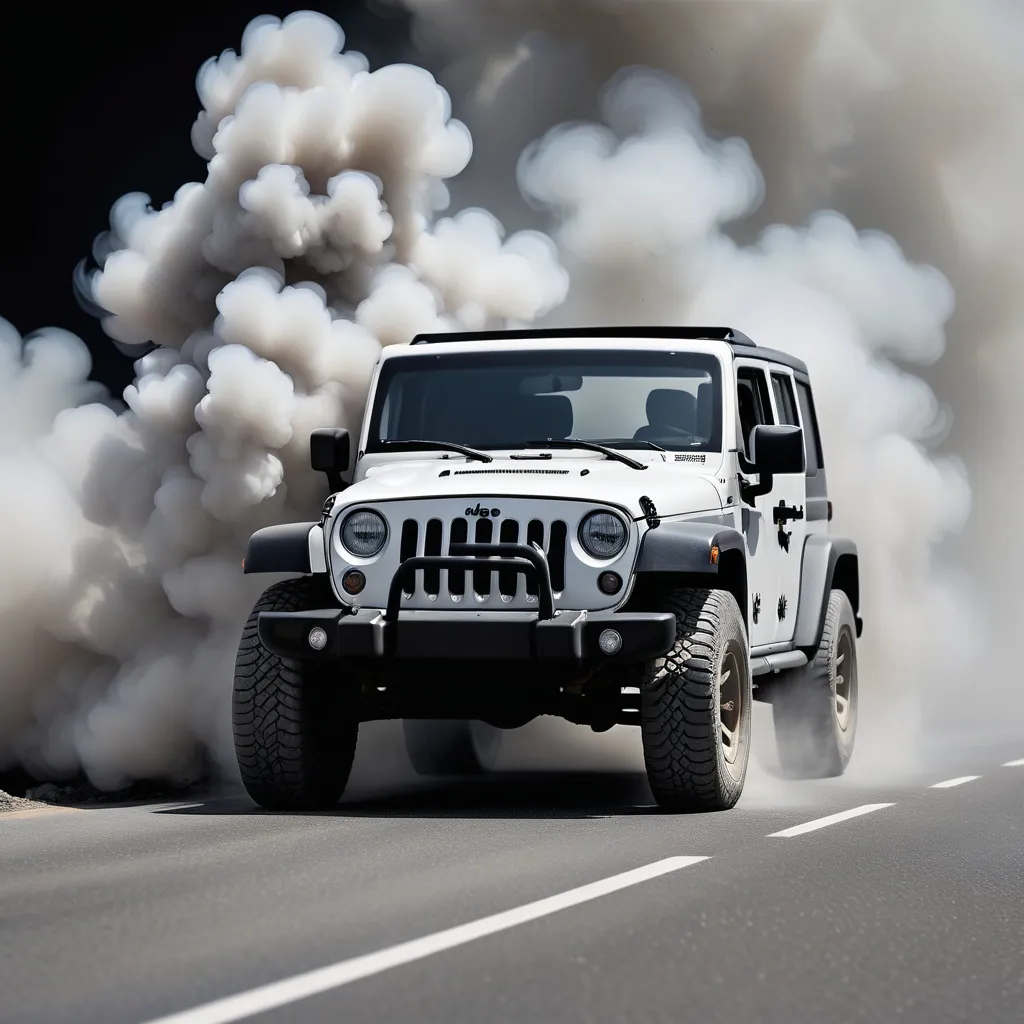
(950, 783)
(832, 819)
(302, 986)
(1015, 764)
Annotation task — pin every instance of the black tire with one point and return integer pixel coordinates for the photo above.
(690, 766)
(814, 735)
(295, 727)
(451, 747)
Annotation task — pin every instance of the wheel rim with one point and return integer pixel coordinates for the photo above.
(730, 705)
(845, 680)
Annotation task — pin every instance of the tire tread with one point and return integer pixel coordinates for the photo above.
(679, 705)
(294, 730)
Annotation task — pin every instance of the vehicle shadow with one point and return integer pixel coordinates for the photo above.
(565, 795)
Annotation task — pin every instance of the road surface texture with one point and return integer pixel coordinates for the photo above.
(527, 897)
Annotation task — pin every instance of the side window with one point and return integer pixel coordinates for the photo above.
(753, 403)
(782, 385)
(812, 439)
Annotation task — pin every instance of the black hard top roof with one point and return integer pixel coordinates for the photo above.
(741, 344)
(539, 334)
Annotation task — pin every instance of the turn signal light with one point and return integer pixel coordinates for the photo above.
(714, 554)
(353, 581)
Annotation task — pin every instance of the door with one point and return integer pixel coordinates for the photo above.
(754, 406)
(789, 511)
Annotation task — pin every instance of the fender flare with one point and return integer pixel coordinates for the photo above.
(282, 549)
(686, 547)
(829, 563)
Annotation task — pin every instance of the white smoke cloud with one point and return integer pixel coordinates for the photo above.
(317, 237)
(269, 288)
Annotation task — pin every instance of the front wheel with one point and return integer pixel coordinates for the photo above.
(695, 705)
(451, 747)
(815, 707)
(295, 727)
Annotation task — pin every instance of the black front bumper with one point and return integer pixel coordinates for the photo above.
(485, 636)
(544, 635)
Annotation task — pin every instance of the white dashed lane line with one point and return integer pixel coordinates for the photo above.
(832, 819)
(1015, 764)
(324, 979)
(950, 783)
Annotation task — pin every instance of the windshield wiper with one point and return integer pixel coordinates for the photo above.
(426, 446)
(623, 442)
(573, 442)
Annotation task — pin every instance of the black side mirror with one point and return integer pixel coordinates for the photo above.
(330, 451)
(774, 449)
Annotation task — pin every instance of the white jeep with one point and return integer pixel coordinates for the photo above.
(614, 526)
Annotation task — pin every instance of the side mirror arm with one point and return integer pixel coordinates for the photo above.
(749, 490)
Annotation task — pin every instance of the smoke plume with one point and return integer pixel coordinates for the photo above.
(741, 163)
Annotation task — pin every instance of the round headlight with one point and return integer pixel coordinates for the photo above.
(364, 533)
(602, 534)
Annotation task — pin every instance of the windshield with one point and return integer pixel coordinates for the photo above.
(638, 400)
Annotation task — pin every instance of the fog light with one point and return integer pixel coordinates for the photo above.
(609, 582)
(317, 638)
(610, 641)
(353, 581)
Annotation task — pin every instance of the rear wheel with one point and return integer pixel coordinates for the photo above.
(695, 706)
(295, 725)
(451, 747)
(815, 707)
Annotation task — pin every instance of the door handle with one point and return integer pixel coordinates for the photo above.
(782, 513)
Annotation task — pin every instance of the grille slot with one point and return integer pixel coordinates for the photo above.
(432, 546)
(457, 577)
(410, 535)
(482, 577)
(508, 581)
(534, 535)
(556, 555)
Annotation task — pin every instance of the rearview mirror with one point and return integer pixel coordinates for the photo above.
(330, 453)
(551, 384)
(773, 449)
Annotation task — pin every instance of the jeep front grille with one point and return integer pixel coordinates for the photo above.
(430, 525)
(435, 537)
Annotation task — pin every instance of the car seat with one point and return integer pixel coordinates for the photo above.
(669, 411)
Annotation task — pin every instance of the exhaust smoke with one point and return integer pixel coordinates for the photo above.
(322, 232)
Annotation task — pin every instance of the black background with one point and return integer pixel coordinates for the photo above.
(97, 104)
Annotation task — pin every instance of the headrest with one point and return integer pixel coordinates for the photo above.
(668, 407)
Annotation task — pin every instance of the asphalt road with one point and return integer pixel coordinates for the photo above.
(912, 911)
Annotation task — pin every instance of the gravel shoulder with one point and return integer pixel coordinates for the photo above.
(17, 803)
